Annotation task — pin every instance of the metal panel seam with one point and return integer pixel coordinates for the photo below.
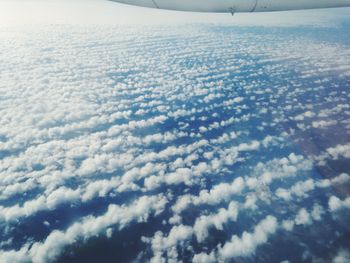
(155, 4)
(254, 7)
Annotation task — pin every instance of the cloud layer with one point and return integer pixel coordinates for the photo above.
(204, 144)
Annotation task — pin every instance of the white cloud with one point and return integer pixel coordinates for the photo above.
(335, 203)
(220, 192)
(343, 256)
(203, 223)
(317, 212)
(167, 244)
(307, 114)
(204, 258)
(339, 151)
(299, 189)
(248, 242)
(282, 168)
(303, 217)
(108, 112)
(50, 202)
(52, 246)
(323, 124)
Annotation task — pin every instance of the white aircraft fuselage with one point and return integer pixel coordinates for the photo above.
(234, 6)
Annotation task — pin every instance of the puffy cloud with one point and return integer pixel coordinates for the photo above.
(167, 244)
(317, 212)
(340, 179)
(28, 208)
(62, 195)
(343, 256)
(204, 258)
(17, 188)
(335, 203)
(339, 151)
(219, 193)
(182, 203)
(248, 242)
(323, 124)
(307, 114)
(303, 217)
(150, 114)
(299, 189)
(203, 223)
(54, 199)
(52, 246)
(282, 168)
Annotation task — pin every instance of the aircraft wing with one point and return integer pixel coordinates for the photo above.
(233, 6)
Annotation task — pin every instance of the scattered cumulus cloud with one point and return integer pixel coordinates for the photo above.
(187, 137)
